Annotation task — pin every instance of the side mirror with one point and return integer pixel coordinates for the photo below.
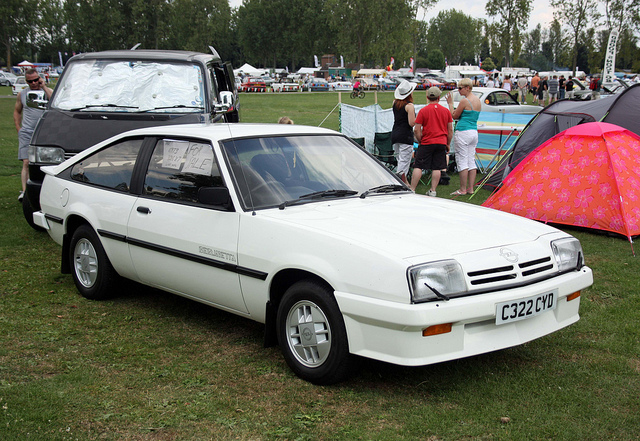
(37, 99)
(227, 102)
(215, 196)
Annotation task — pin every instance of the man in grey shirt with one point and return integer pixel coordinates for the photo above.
(26, 119)
(553, 85)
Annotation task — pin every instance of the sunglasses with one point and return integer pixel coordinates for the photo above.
(461, 87)
(33, 81)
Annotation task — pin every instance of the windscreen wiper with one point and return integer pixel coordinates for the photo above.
(387, 188)
(177, 106)
(88, 106)
(318, 195)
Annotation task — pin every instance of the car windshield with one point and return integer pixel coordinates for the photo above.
(130, 86)
(283, 170)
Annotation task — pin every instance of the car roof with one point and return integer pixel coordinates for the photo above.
(222, 131)
(147, 54)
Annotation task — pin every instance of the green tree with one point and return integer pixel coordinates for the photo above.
(198, 24)
(435, 60)
(51, 30)
(271, 32)
(582, 15)
(367, 30)
(487, 64)
(456, 35)
(513, 19)
(17, 20)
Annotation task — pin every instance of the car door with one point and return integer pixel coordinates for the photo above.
(177, 243)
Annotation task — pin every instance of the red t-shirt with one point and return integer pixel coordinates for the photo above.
(434, 120)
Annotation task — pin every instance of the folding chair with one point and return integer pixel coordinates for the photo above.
(359, 141)
(383, 149)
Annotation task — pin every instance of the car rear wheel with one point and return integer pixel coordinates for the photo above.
(312, 335)
(92, 272)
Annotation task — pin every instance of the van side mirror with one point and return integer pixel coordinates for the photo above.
(227, 102)
(215, 196)
(37, 99)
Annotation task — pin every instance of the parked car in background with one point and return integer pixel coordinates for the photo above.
(253, 84)
(7, 78)
(281, 224)
(341, 86)
(18, 85)
(102, 94)
(581, 91)
(317, 85)
(268, 80)
(370, 83)
(388, 83)
(495, 100)
(285, 86)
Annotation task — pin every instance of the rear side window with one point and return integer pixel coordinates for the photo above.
(111, 167)
(179, 168)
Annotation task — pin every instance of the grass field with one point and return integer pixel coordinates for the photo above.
(153, 366)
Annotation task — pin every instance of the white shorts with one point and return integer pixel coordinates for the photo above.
(466, 142)
(403, 154)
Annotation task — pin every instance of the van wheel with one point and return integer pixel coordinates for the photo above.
(312, 335)
(92, 272)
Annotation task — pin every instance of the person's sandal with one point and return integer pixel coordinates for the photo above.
(458, 193)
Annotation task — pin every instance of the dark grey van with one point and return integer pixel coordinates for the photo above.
(102, 94)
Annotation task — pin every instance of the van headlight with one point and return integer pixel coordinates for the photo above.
(45, 155)
(436, 280)
(568, 254)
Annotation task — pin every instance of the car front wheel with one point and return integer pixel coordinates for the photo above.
(312, 335)
(92, 272)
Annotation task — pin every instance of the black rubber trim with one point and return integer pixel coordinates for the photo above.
(260, 275)
(55, 219)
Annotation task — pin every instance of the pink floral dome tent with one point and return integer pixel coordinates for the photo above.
(587, 175)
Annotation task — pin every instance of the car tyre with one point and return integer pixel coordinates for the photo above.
(312, 334)
(93, 274)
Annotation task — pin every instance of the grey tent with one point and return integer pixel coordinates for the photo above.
(622, 109)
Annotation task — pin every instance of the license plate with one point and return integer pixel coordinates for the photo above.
(508, 312)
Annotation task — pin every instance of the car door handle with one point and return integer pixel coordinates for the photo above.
(143, 210)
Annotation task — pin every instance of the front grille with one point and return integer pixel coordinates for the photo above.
(511, 273)
(68, 155)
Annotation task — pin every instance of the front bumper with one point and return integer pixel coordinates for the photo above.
(392, 332)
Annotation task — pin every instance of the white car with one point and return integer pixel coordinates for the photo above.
(285, 87)
(341, 86)
(298, 228)
(20, 84)
(495, 100)
(7, 78)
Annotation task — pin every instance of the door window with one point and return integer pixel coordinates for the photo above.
(179, 168)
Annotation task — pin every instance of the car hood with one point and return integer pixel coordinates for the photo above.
(412, 226)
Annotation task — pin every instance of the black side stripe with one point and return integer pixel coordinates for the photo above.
(187, 256)
(55, 219)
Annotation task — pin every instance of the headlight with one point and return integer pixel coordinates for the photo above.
(568, 253)
(436, 280)
(45, 155)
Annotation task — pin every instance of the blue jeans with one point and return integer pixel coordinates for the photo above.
(561, 94)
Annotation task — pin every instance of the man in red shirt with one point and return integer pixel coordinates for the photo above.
(434, 130)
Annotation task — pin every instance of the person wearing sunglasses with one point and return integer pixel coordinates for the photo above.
(25, 119)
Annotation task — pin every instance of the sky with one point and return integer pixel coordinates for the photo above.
(541, 13)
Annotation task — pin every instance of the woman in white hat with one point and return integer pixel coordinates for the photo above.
(404, 118)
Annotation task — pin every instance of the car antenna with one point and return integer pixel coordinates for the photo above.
(135, 47)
